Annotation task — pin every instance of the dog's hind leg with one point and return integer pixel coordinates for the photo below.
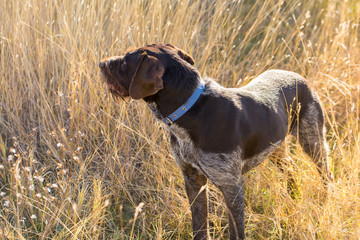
(284, 162)
(312, 137)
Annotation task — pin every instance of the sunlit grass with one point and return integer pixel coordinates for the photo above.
(77, 164)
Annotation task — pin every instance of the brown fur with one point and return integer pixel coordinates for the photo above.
(227, 131)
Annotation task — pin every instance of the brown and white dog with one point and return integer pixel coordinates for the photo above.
(224, 132)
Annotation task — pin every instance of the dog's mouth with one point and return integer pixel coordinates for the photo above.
(113, 88)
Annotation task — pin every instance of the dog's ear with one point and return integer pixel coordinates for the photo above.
(184, 55)
(147, 79)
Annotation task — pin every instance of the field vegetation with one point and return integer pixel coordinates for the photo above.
(75, 163)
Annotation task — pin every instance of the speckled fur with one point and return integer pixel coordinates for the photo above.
(228, 131)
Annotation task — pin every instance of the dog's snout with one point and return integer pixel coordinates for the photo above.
(102, 64)
(109, 61)
(105, 63)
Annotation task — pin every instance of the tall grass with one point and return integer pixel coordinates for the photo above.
(77, 164)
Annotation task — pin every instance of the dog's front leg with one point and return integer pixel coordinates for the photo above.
(195, 182)
(197, 194)
(225, 172)
(234, 198)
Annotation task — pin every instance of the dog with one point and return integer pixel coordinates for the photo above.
(219, 133)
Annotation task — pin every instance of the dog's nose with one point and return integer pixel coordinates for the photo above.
(102, 64)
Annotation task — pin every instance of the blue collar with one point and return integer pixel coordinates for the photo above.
(185, 107)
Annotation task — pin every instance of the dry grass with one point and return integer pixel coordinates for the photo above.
(75, 164)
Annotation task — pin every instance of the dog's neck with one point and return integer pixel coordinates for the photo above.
(172, 96)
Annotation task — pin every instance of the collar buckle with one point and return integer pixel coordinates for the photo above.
(167, 121)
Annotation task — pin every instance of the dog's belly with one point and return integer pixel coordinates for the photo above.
(185, 153)
(258, 158)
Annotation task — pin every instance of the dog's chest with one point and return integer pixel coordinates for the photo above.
(182, 147)
(181, 144)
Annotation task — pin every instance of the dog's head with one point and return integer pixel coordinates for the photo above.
(140, 73)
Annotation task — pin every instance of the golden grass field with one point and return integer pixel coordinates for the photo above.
(76, 163)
